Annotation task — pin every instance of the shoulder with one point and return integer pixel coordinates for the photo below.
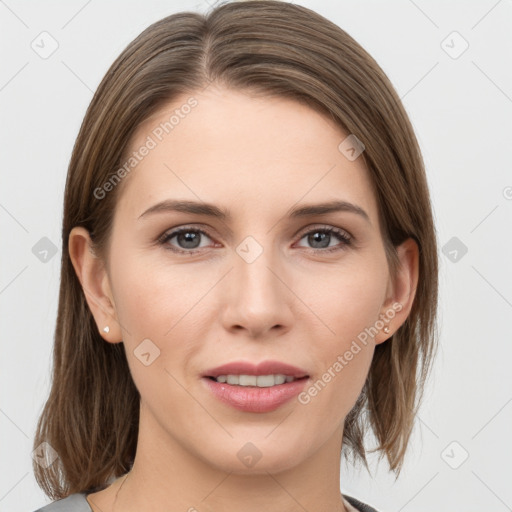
(73, 503)
(358, 506)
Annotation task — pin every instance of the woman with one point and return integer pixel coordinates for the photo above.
(249, 272)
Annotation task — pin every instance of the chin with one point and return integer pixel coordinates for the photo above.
(246, 457)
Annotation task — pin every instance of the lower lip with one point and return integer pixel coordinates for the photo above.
(255, 399)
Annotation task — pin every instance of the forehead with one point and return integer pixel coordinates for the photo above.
(230, 148)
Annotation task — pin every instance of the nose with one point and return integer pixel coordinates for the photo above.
(256, 295)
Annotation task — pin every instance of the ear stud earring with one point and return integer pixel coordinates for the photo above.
(386, 329)
(106, 328)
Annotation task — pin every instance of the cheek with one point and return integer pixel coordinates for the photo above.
(151, 299)
(349, 300)
(156, 306)
(349, 305)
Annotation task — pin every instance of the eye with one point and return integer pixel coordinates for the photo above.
(187, 238)
(321, 238)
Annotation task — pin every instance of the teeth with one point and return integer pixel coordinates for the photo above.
(261, 381)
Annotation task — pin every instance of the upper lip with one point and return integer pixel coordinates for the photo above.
(263, 368)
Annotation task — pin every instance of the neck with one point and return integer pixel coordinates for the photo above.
(168, 476)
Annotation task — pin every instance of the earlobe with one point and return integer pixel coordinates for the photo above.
(402, 291)
(93, 277)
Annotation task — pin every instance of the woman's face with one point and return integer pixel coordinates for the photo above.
(260, 284)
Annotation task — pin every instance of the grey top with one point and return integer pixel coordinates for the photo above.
(73, 503)
(78, 503)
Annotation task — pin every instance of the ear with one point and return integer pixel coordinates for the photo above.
(95, 282)
(401, 290)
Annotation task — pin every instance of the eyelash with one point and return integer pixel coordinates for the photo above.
(345, 238)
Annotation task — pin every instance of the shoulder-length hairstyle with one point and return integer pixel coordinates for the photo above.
(271, 48)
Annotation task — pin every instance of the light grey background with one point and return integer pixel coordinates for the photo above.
(460, 105)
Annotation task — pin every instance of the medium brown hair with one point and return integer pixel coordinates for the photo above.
(275, 49)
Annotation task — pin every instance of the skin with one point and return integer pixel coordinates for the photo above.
(296, 303)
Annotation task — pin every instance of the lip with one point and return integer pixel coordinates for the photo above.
(263, 368)
(252, 398)
(255, 399)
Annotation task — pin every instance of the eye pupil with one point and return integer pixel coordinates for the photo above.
(190, 238)
(318, 236)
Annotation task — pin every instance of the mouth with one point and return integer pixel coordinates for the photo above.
(255, 388)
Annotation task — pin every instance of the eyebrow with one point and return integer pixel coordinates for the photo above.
(211, 210)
